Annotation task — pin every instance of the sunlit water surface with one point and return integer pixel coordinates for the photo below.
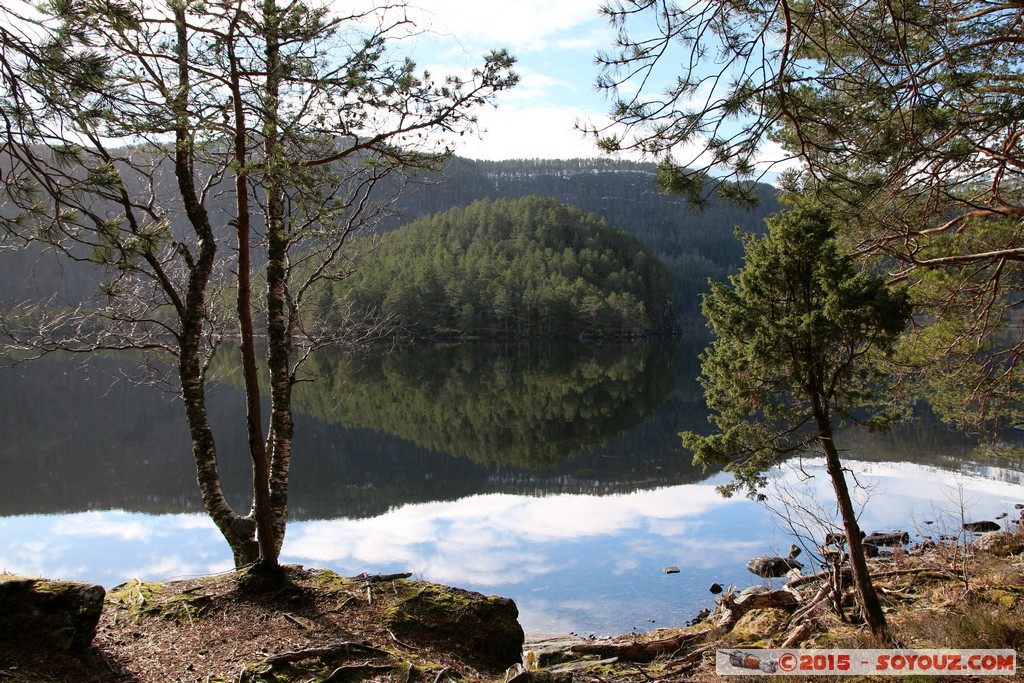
(572, 563)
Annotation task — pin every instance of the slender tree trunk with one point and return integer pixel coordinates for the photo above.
(247, 347)
(280, 319)
(870, 606)
(238, 531)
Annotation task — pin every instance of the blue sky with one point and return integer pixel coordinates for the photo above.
(555, 42)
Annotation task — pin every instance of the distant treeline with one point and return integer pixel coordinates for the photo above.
(528, 267)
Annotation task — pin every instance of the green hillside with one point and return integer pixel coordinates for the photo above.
(693, 244)
(528, 267)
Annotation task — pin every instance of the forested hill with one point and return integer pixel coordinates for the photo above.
(528, 267)
(693, 244)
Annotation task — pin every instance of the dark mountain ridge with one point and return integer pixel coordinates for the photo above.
(693, 244)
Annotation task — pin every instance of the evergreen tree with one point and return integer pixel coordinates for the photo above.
(904, 116)
(797, 337)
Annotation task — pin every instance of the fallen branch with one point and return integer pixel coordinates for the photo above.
(799, 635)
(295, 620)
(847, 573)
(328, 652)
(379, 578)
(810, 606)
(918, 570)
(446, 672)
(639, 652)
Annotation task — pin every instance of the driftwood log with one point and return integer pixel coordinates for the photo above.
(640, 652)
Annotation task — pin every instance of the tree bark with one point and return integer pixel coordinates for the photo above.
(261, 510)
(870, 606)
(280, 318)
(237, 531)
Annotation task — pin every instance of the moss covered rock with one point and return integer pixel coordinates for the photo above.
(760, 623)
(482, 630)
(64, 613)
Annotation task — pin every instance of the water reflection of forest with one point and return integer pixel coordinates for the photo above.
(507, 405)
(373, 431)
(382, 430)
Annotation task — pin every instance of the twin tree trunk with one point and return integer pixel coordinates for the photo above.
(257, 536)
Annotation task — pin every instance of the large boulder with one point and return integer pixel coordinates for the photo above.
(999, 543)
(64, 613)
(483, 631)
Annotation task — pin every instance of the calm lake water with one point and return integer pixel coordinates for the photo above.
(548, 473)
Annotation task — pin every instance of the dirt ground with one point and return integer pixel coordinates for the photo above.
(326, 628)
(202, 630)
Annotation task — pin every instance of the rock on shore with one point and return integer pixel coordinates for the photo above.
(62, 613)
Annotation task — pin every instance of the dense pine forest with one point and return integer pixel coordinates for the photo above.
(528, 267)
(694, 244)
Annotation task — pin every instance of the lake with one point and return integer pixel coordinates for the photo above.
(546, 472)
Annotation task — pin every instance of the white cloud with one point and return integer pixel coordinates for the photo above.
(496, 539)
(113, 523)
(534, 132)
(525, 24)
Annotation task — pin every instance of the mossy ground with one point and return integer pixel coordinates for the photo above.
(318, 626)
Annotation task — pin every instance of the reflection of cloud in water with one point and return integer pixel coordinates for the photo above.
(123, 525)
(497, 539)
(900, 496)
(571, 562)
(110, 547)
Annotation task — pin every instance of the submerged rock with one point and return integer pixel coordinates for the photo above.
(64, 613)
